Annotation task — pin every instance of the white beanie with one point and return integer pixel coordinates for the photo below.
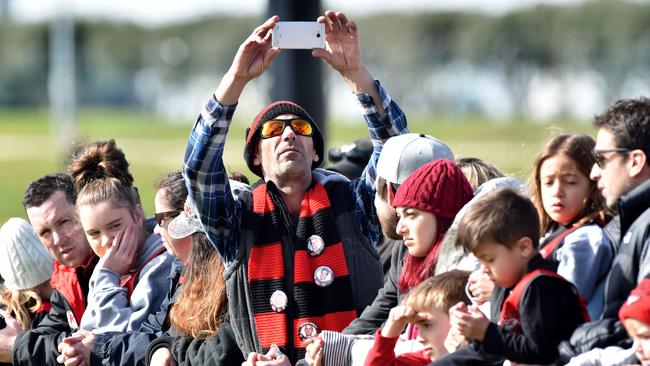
(24, 262)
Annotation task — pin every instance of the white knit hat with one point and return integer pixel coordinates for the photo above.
(24, 262)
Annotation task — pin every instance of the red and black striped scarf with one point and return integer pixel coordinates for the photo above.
(279, 261)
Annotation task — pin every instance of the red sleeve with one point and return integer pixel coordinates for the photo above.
(383, 353)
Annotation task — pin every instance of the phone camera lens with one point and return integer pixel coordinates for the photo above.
(318, 35)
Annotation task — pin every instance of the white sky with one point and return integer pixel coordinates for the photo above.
(156, 12)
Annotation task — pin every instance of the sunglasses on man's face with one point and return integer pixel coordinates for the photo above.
(601, 159)
(162, 216)
(275, 127)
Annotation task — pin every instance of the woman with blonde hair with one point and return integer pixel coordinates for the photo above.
(26, 268)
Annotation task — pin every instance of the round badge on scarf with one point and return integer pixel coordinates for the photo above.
(323, 276)
(315, 245)
(307, 330)
(279, 301)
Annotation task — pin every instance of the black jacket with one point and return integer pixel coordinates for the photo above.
(549, 312)
(38, 346)
(218, 349)
(629, 233)
(374, 315)
(130, 348)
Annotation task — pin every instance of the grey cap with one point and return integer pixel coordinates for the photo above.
(404, 154)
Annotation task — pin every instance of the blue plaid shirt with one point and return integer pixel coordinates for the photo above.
(207, 180)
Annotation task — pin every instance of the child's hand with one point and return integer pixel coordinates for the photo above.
(454, 340)
(472, 323)
(314, 354)
(122, 254)
(398, 317)
(480, 286)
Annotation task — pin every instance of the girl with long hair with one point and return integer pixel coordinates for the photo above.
(133, 265)
(572, 213)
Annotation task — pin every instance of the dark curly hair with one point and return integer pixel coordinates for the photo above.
(43, 188)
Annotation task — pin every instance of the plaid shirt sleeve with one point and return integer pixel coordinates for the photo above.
(207, 180)
(393, 123)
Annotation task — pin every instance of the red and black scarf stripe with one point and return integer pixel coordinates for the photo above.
(279, 261)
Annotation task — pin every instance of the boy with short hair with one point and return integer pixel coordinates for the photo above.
(427, 305)
(535, 308)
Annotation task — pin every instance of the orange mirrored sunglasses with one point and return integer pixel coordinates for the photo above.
(275, 127)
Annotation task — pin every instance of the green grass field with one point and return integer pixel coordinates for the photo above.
(29, 149)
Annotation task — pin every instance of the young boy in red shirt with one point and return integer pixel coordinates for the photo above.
(427, 306)
(533, 308)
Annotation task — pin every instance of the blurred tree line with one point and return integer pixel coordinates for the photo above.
(117, 62)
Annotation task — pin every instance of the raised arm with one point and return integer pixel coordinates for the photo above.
(253, 58)
(204, 172)
(383, 116)
(343, 53)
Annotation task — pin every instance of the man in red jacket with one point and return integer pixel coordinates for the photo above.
(50, 205)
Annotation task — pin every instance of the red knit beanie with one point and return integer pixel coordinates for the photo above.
(439, 187)
(269, 112)
(637, 305)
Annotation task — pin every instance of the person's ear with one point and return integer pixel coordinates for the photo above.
(638, 161)
(316, 158)
(138, 213)
(257, 160)
(526, 247)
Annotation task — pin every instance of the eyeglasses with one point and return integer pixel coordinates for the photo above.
(162, 216)
(275, 127)
(601, 160)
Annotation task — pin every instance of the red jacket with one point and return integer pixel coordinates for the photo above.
(383, 353)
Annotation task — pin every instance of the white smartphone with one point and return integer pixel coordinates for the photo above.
(298, 35)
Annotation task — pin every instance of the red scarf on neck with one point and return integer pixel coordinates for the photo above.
(279, 260)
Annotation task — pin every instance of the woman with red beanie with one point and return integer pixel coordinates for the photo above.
(426, 204)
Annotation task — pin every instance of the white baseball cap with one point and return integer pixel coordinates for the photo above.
(404, 154)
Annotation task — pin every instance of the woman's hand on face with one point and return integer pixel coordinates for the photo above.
(122, 254)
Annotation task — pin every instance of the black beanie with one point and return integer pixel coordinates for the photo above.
(269, 112)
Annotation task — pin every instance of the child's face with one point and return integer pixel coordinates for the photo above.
(101, 222)
(433, 333)
(417, 229)
(640, 333)
(505, 266)
(564, 188)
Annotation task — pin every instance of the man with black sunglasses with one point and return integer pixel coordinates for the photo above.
(622, 171)
(304, 255)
